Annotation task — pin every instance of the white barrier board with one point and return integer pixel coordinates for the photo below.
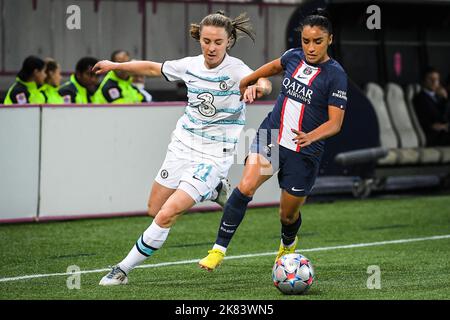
(19, 162)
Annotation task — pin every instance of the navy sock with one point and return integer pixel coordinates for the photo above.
(289, 232)
(233, 214)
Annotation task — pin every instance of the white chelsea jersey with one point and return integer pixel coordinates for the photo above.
(214, 116)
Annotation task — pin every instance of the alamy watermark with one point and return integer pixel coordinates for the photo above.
(374, 279)
(374, 20)
(73, 21)
(73, 281)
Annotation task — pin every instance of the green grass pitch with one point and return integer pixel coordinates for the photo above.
(409, 270)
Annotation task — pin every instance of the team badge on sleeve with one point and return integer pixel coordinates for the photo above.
(340, 94)
(21, 98)
(67, 99)
(114, 93)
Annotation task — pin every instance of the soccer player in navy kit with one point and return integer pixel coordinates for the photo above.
(309, 108)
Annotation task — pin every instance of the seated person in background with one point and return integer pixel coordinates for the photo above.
(82, 84)
(446, 88)
(430, 107)
(139, 82)
(116, 87)
(29, 79)
(52, 82)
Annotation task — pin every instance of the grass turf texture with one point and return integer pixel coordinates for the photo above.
(415, 270)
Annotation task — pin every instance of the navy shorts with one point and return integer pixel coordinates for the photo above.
(297, 171)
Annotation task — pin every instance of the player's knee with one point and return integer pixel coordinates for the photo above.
(167, 215)
(248, 187)
(288, 218)
(164, 219)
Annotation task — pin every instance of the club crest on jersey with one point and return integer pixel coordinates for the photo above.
(306, 74)
(307, 71)
(223, 86)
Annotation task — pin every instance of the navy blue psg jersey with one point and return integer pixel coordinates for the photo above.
(306, 92)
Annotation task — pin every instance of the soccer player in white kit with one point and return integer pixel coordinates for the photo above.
(204, 142)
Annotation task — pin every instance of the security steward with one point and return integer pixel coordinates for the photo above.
(82, 85)
(28, 81)
(117, 86)
(52, 82)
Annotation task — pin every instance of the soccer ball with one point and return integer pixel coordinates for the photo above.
(293, 274)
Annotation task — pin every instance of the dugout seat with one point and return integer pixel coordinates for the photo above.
(398, 109)
(405, 154)
(388, 137)
(411, 90)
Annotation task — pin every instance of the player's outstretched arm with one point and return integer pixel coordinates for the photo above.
(263, 87)
(144, 68)
(269, 69)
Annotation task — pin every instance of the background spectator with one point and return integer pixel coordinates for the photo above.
(52, 82)
(82, 84)
(117, 87)
(430, 107)
(26, 88)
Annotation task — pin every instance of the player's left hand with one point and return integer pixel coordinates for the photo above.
(302, 139)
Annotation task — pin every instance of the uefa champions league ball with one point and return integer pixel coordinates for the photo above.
(293, 274)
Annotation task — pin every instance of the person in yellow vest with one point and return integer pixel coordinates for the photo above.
(117, 86)
(52, 82)
(82, 84)
(26, 88)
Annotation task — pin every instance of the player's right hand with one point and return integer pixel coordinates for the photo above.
(249, 94)
(103, 66)
(252, 93)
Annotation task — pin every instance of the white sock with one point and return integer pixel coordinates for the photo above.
(219, 247)
(151, 240)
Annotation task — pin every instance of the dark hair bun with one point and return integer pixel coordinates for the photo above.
(321, 12)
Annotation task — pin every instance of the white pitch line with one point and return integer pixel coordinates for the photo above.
(164, 264)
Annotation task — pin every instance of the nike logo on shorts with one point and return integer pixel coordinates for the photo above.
(197, 178)
(297, 190)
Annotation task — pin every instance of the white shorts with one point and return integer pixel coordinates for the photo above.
(196, 173)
